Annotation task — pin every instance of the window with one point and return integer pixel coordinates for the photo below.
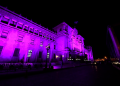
(76, 49)
(36, 32)
(40, 33)
(20, 38)
(13, 23)
(41, 43)
(54, 56)
(0, 16)
(53, 38)
(19, 25)
(40, 54)
(16, 52)
(80, 41)
(1, 47)
(29, 53)
(66, 28)
(26, 28)
(47, 55)
(5, 19)
(47, 37)
(54, 46)
(44, 35)
(4, 33)
(60, 29)
(31, 30)
(50, 38)
(32, 41)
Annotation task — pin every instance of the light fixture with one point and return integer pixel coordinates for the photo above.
(57, 56)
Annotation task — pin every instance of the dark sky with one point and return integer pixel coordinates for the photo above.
(92, 19)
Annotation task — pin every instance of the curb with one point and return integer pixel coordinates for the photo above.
(27, 73)
(116, 67)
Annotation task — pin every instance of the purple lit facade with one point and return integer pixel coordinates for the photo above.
(23, 40)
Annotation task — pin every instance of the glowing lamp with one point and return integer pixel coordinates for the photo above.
(57, 56)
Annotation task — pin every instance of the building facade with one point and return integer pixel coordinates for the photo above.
(22, 40)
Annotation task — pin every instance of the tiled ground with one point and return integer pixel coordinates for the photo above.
(79, 76)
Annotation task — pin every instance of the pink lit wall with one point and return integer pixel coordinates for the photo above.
(66, 38)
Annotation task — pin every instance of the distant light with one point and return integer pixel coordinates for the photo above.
(57, 56)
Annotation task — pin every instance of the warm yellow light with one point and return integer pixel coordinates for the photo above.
(57, 56)
(105, 57)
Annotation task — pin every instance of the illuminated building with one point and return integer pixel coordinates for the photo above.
(22, 39)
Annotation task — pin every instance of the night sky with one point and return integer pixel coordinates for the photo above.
(92, 20)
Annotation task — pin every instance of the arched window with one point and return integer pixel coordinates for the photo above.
(60, 29)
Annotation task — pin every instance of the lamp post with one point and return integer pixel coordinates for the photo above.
(47, 47)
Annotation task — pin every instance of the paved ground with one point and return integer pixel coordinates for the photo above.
(103, 75)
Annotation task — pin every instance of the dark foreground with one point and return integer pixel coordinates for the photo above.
(101, 75)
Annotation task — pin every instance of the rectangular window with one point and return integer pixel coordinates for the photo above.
(41, 43)
(40, 54)
(32, 41)
(31, 30)
(60, 29)
(66, 28)
(13, 23)
(54, 56)
(36, 32)
(4, 33)
(40, 33)
(47, 55)
(80, 41)
(0, 16)
(29, 53)
(26, 28)
(76, 49)
(47, 36)
(1, 47)
(16, 52)
(53, 38)
(50, 38)
(20, 38)
(19, 25)
(5, 19)
(44, 35)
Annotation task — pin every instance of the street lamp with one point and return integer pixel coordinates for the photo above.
(47, 47)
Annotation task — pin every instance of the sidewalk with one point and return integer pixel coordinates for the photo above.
(116, 67)
(25, 72)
